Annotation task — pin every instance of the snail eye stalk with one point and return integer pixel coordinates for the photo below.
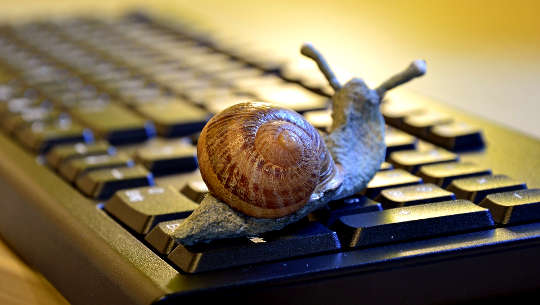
(309, 51)
(415, 69)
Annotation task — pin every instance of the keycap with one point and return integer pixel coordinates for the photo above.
(389, 179)
(37, 114)
(203, 96)
(413, 222)
(320, 119)
(514, 206)
(195, 190)
(175, 119)
(386, 166)
(413, 194)
(223, 66)
(443, 173)
(292, 96)
(114, 123)
(229, 76)
(101, 184)
(142, 208)
(297, 240)
(476, 188)
(396, 139)
(161, 237)
(351, 205)
(412, 160)
(420, 124)
(40, 137)
(395, 112)
(16, 105)
(61, 153)
(457, 136)
(169, 158)
(219, 103)
(71, 169)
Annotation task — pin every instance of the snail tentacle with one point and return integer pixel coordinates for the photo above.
(334, 166)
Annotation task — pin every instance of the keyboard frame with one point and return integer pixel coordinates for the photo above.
(91, 259)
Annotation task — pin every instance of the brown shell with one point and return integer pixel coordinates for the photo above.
(262, 160)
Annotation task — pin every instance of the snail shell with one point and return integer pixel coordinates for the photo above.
(273, 166)
(264, 161)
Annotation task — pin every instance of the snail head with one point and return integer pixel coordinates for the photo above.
(362, 91)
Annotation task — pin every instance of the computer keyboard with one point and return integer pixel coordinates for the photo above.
(100, 119)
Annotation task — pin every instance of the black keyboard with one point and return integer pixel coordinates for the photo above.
(100, 120)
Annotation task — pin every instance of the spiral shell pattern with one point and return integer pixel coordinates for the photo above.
(262, 160)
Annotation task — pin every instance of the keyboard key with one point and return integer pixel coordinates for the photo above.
(114, 123)
(292, 96)
(142, 208)
(195, 190)
(514, 206)
(420, 124)
(476, 188)
(396, 139)
(61, 153)
(219, 103)
(320, 119)
(457, 136)
(103, 183)
(73, 168)
(16, 105)
(175, 119)
(386, 166)
(203, 96)
(389, 179)
(161, 237)
(40, 137)
(230, 76)
(395, 112)
(169, 158)
(443, 173)
(299, 239)
(414, 222)
(412, 160)
(412, 195)
(335, 209)
(37, 114)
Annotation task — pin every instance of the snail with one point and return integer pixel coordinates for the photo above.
(267, 167)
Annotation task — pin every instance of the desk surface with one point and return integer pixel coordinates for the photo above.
(483, 57)
(21, 285)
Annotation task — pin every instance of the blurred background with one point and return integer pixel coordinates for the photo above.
(483, 56)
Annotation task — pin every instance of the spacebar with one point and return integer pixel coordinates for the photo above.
(297, 240)
(414, 222)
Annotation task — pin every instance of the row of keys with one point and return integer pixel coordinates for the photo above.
(143, 210)
(435, 127)
(99, 170)
(153, 213)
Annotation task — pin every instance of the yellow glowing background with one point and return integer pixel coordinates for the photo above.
(483, 56)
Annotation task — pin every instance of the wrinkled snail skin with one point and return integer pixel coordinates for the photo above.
(356, 137)
(354, 148)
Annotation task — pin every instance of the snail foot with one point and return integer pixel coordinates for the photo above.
(214, 219)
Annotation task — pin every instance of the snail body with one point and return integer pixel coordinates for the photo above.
(267, 167)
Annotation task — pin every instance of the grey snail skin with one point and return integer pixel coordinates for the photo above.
(266, 167)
